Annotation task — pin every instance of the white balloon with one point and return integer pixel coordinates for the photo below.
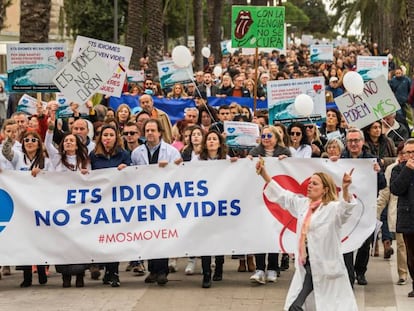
(304, 105)
(353, 82)
(205, 51)
(217, 71)
(181, 56)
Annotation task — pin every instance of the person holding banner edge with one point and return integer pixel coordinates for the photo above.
(320, 281)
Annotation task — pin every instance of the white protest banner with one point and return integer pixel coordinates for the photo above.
(376, 102)
(83, 76)
(146, 212)
(321, 53)
(170, 74)
(27, 104)
(281, 95)
(241, 134)
(371, 67)
(115, 56)
(32, 66)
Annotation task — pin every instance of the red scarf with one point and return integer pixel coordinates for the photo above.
(304, 231)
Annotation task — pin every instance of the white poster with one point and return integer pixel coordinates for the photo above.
(241, 134)
(28, 105)
(115, 56)
(321, 53)
(170, 74)
(32, 66)
(281, 96)
(151, 212)
(371, 67)
(83, 76)
(376, 102)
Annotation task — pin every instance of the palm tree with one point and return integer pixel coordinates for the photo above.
(214, 11)
(198, 33)
(155, 38)
(134, 32)
(34, 20)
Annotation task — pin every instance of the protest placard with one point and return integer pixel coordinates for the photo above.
(83, 76)
(370, 67)
(169, 73)
(258, 26)
(115, 56)
(32, 66)
(241, 134)
(376, 102)
(321, 53)
(281, 96)
(28, 105)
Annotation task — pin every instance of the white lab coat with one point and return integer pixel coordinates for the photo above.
(167, 153)
(331, 287)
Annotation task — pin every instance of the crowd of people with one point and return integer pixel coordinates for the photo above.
(122, 137)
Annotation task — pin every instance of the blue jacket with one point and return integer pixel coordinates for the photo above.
(101, 161)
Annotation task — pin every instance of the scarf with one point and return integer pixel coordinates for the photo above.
(304, 231)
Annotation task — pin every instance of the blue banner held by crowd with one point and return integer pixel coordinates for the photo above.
(175, 107)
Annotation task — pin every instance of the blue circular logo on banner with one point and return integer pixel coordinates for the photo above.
(6, 209)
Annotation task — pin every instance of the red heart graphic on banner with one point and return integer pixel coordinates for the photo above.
(59, 54)
(317, 87)
(283, 216)
(384, 62)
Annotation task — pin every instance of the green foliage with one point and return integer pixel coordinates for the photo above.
(95, 18)
(175, 17)
(295, 16)
(315, 11)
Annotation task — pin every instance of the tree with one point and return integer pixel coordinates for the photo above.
(94, 18)
(155, 39)
(134, 31)
(34, 20)
(198, 33)
(214, 27)
(410, 14)
(315, 10)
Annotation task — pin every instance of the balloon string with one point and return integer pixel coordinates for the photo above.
(199, 93)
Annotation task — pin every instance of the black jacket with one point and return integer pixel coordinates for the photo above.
(402, 185)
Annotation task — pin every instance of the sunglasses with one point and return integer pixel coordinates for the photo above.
(295, 133)
(268, 136)
(309, 127)
(132, 133)
(28, 140)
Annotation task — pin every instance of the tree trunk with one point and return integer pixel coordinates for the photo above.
(34, 21)
(215, 9)
(134, 31)
(198, 33)
(155, 39)
(410, 14)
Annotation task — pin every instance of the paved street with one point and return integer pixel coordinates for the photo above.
(184, 293)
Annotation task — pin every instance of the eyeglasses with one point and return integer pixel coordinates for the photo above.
(295, 133)
(268, 136)
(408, 152)
(353, 141)
(132, 133)
(309, 127)
(32, 140)
(148, 84)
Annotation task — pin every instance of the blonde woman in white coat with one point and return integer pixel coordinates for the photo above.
(321, 280)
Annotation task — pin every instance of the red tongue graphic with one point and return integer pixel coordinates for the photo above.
(243, 22)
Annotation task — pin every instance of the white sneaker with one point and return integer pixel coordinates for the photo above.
(189, 269)
(172, 265)
(258, 277)
(271, 276)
